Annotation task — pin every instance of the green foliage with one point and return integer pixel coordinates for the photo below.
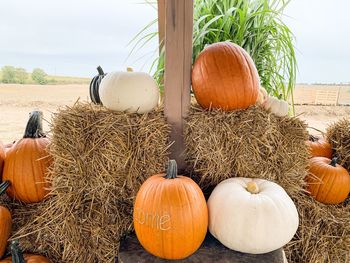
(8, 74)
(21, 75)
(39, 76)
(256, 25)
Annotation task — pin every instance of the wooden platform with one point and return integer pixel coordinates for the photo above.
(211, 251)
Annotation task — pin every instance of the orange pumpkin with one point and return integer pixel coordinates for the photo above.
(2, 156)
(170, 215)
(5, 222)
(224, 76)
(26, 163)
(319, 147)
(328, 182)
(18, 257)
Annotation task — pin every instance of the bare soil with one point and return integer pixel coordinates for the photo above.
(16, 101)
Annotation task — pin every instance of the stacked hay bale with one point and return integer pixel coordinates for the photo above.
(101, 158)
(246, 143)
(256, 143)
(338, 135)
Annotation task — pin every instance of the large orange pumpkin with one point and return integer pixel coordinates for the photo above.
(18, 257)
(319, 147)
(2, 156)
(224, 76)
(26, 163)
(328, 182)
(170, 215)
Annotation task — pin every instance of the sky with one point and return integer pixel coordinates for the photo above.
(66, 37)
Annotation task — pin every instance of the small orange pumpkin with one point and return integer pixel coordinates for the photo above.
(224, 76)
(328, 182)
(170, 215)
(319, 147)
(18, 257)
(27, 162)
(5, 222)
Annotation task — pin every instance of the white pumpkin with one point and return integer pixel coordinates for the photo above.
(129, 91)
(252, 215)
(262, 96)
(278, 107)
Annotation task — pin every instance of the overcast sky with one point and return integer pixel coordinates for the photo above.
(72, 37)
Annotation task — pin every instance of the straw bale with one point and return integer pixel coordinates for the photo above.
(338, 135)
(323, 234)
(101, 158)
(248, 143)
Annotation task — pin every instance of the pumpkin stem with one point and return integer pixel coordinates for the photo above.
(17, 254)
(34, 127)
(100, 71)
(253, 187)
(334, 162)
(171, 172)
(313, 138)
(3, 186)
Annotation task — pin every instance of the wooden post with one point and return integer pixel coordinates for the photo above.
(178, 65)
(161, 23)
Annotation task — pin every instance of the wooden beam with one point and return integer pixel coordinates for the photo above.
(178, 65)
(161, 23)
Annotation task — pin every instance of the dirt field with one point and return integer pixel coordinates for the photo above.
(16, 101)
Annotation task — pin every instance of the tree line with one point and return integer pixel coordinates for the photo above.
(10, 74)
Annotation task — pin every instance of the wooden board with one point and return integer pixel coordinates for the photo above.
(211, 251)
(327, 97)
(178, 64)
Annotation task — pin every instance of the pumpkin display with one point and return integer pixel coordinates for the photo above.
(95, 86)
(5, 222)
(27, 162)
(2, 156)
(224, 76)
(319, 147)
(328, 182)
(170, 215)
(252, 215)
(19, 257)
(129, 91)
(277, 106)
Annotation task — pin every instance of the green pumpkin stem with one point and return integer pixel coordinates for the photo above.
(100, 71)
(3, 186)
(171, 172)
(17, 254)
(334, 162)
(34, 127)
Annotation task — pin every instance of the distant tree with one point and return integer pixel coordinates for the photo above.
(21, 75)
(39, 76)
(8, 74)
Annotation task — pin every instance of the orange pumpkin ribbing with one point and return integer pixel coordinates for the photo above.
(319, 147)
(224, 76)
(327, 183)
(5, 228)
(25, 167)
(170, 216)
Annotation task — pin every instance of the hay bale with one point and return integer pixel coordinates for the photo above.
(247, 143)
(101, 158)
(338, 135)
(323, 234)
